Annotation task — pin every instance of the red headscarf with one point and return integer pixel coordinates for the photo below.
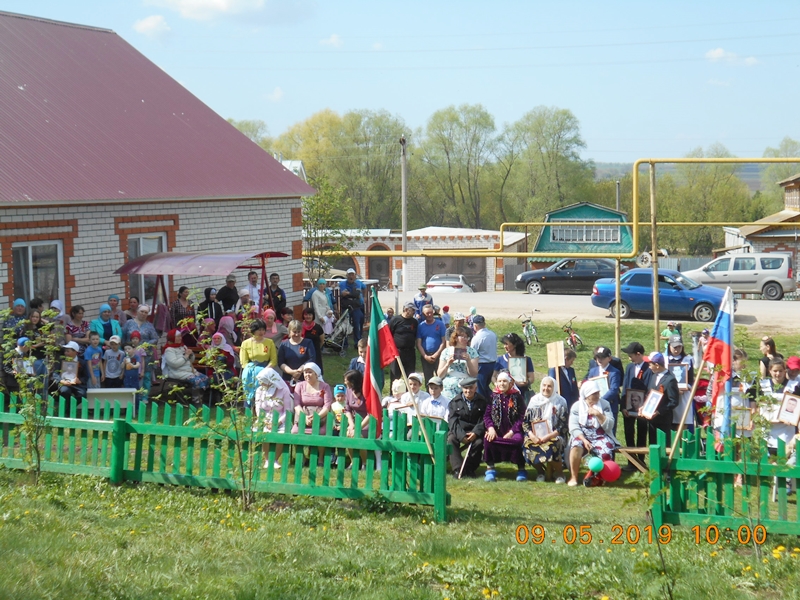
(171, 340)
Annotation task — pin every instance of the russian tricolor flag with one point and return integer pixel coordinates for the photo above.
(719, 352)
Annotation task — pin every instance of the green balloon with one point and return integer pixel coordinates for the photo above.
(595, 464)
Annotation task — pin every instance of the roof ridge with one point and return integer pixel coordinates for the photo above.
(54, 22)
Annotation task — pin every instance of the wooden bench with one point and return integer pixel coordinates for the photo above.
(630, 453)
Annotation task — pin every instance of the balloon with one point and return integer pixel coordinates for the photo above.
(610, 471)
(595, 464)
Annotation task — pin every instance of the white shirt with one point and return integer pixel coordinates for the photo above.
(434, 407)
(255, 293)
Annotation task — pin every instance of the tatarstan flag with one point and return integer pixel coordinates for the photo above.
(381, 351)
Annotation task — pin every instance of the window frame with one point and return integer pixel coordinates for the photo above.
(140, 279)
(570, 231)
(60, 265)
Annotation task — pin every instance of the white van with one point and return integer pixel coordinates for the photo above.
(770, 274)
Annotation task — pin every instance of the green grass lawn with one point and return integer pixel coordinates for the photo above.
(79, 537)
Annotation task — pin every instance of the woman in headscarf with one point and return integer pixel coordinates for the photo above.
(311, 396)
(209, 329)
(545, 428)
(591, 428)
(227, 327)
(226, 354)
(503, 420)
(116, 312)
(256, 353)
(105, 326)
(178, 360)
(57, 305)
(277, 332)
(272, 395)
(210, 308)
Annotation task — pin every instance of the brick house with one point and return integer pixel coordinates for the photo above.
(486, 274)
(106, 158)
(763, 236)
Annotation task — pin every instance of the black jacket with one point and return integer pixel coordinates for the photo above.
(210, 310)
(463, 419)
(404, 332)
(228, 297)
(667, 386)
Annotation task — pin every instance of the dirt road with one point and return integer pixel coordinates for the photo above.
(761, 316)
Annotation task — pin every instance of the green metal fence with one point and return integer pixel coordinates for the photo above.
(159, 446)
(699, 486)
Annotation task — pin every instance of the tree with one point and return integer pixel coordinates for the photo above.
(313, 141)
(325, 238)
(256, 130)
(772, 197)
(458, 145)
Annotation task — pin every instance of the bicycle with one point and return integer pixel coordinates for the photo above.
(573, 340)
(528, 328)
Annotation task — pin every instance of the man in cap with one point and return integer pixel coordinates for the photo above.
(422, 299)
(404, 331)
(458, 321)
(664, 382)
(430, 341)
(352, 293)
(637, 376)
(485, 342)
(228, 295)
(466, 428)
(602, 357)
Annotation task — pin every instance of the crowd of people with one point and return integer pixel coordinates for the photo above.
(494, 410)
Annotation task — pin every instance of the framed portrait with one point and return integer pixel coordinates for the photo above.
(602, 383)
(634, 400)
(766, 385)
(681, 373)
(651, 404)
(770, 410)
(69, 371)
(518, 368)
(541, 428)
(741, 418)
(790, 410)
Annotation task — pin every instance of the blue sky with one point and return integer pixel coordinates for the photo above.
(645, 79)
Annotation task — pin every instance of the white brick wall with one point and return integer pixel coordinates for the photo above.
(225, 226)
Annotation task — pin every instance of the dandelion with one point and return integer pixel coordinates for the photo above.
(133, 532)
(249, 529)
(795, 549)
(645, 554)
(748, 568)
(324, 528)
(780, 548)
(633, 549)
(765, 560)
(423, 521)
(713, 554)
(756, 575)
(608, 550)
(605, 598)
(495, 593)
(424, 565)
(80, 505)
(486, 592)
(27, 512)
(289, 534)
(157, 507)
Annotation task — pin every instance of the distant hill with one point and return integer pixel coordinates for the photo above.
(749, 173)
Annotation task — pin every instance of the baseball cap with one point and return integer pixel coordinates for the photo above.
(459, 316)
(602, 352)
(22, 341)
(135, 334)
(339, 389)
(675, 340)
(115, 339)
(435, 380)
(422, 287)
(409, 305)
(793, 363)
(322, 281)
(72, 346)
(657, 358)
(479, 319)
(230, 278)
(417, 377)
(350, 270)
(633, 348)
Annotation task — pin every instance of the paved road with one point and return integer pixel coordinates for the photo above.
(761, 316)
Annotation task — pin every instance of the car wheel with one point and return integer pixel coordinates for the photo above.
(624, 310)
(535, 287)
(772, 291)
(704, 312)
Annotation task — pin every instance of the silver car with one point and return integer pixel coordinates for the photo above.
(767, 273)
(449, 283)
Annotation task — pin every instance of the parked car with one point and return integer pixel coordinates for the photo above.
(449, 284)
(678, 295)
(769, 273)
(567, 275)
(311, 265)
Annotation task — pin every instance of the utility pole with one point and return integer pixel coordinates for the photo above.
(404, 209)
(617, 194)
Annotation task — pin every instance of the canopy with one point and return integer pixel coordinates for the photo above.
(193, 263)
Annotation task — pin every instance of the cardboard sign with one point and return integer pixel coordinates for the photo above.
(555, 355)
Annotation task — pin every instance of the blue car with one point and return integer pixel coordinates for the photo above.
(678, 295)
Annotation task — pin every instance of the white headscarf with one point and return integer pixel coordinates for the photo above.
(546, 403)
(57, 305)
(314, 367)
(587, 389)
(273, 381)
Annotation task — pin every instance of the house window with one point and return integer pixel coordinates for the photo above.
(572, 232)
(143, 286)
(39, 270)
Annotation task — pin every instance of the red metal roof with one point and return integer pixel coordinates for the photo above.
(85, 116)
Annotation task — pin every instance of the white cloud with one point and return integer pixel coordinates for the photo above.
(722, 55)
(275, 95)
(154, 27)
(719, 83)
(377, 46)
(205, 10)
(334, 41)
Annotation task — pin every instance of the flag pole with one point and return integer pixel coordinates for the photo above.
(416, 408)
(683, 419)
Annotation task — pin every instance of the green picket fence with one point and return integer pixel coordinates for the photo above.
(698, 486)
(159, 447)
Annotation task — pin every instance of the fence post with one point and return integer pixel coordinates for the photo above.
(118, 438)
(440, 477)
(657, 452)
